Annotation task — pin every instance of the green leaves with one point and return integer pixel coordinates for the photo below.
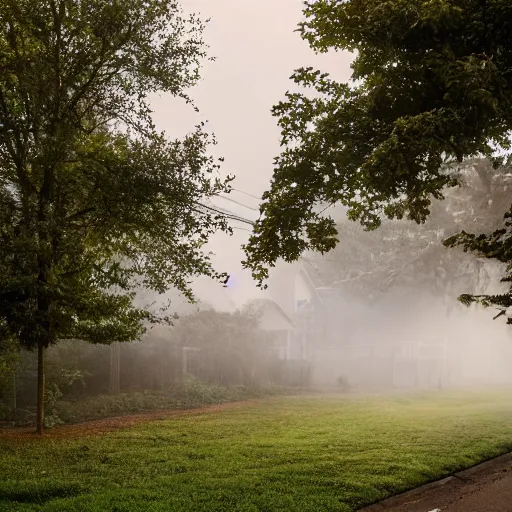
(497, 245)
(94, 203)
(431, 84)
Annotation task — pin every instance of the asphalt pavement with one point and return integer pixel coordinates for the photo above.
(483, 488)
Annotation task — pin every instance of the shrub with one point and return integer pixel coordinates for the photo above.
(188, 394)
(343, 384)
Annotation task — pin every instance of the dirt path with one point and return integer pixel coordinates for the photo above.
(484, 488)
(100, 426)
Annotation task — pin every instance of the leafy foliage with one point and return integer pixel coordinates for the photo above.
(231, 361)
(232, 348)
(497, 245)
(94, 203)
(431, 84)
(410, 257)
(188, 394)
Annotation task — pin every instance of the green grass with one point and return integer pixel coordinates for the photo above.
(280, 454)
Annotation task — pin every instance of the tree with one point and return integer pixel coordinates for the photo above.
(232, 348)
(431, 85)
(94, 202)
(410, 256)
(497, 245)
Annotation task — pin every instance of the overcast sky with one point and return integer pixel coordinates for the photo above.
(256, 51)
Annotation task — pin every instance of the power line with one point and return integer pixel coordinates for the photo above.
(246, 193)
(228, 214)
(238, 202)
(241, 229)
(238, 219)
(326, 208)
(234, 216)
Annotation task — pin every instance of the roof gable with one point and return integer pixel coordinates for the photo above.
(272, 316)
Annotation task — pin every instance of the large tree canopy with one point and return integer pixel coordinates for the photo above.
(409, 259)
(431, 84)
(94, 203)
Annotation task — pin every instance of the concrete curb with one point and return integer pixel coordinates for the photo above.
(450, 484)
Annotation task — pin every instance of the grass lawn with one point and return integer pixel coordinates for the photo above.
(279, 454)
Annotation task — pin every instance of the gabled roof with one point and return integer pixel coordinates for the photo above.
(309, 283)
(263, 305)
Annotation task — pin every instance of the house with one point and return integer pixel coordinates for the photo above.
(277, 324)
(294, 291)
(403, 339)
(318, 311)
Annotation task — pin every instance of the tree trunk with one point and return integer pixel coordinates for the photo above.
(115, 368)
(14, 403)
(40, 388)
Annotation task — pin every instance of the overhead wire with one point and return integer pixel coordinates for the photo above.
(226, 213)
(238, 202)
(326, 208)
(246, 193)
(229, 212)
(241, 229)
(233, 216)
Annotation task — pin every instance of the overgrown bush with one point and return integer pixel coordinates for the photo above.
(228, 359)
(9, 363)
(188, 394)
(343, 384)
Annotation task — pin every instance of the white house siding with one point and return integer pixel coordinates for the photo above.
(302, 291)
(273, 320)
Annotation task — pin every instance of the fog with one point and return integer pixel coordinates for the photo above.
(380, 313)
(408, 338)
(349, 377)
(256, 50)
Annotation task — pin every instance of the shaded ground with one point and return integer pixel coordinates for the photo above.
(103, 425)
(484, 488)
(187, 394)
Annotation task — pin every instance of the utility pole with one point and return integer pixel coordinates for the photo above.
(184, 361)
